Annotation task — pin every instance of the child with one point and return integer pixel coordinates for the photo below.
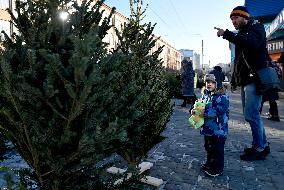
(215, 128)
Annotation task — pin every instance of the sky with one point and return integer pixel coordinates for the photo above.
(185, 23)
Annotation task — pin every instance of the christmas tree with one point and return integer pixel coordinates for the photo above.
(67, 103)
(144, 91)
(51, 89)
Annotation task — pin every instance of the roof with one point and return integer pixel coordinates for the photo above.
(265, 10)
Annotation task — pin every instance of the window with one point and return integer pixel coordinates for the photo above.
(4, 25)
(4, 4)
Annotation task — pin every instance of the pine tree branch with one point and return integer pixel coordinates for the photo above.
(55, 110)
(28, 141)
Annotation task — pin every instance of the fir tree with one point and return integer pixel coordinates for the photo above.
(143, 90)
(51, 91)
(66, 103)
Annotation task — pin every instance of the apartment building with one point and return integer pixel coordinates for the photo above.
(5, 17)
(171, 57)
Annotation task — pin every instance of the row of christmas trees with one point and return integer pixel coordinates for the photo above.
(67, 102)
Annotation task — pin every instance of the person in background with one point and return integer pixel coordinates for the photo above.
(187, 79)
(200, 82)
(281, 61)
(215, 128)
(272, 96)
(199, 85)
(219, 75)
(250, 55)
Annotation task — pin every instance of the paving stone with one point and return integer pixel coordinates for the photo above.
(179, 157)
(269, 186)
(234, 184)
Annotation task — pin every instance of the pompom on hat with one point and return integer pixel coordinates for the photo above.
(240, 11)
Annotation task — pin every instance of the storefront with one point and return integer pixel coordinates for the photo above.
(275, 36)
(275, 40)
(275, 48)
(271, 14)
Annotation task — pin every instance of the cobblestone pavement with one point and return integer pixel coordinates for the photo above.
(177, 159)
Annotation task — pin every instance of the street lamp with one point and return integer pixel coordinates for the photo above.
(202, 53)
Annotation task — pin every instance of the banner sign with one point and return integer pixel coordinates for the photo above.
(275, 46)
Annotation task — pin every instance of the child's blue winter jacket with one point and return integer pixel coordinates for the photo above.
(216, 114)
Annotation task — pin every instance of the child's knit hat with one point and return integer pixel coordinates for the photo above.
(210, 77)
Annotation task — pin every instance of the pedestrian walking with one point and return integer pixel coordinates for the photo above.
(215, 128)
(187, 78)
(219, 75)
(272, 96)
(250, 48)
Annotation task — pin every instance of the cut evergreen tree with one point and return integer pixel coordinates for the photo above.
(53, 95)
(67, 103)
(144, 99)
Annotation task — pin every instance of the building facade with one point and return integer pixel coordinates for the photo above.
(271, 14)
(171, 57)
(275, 36)
(5, 17)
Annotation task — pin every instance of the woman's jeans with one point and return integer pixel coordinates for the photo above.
(251, 103)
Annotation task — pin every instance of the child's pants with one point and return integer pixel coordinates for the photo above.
(214, 147)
